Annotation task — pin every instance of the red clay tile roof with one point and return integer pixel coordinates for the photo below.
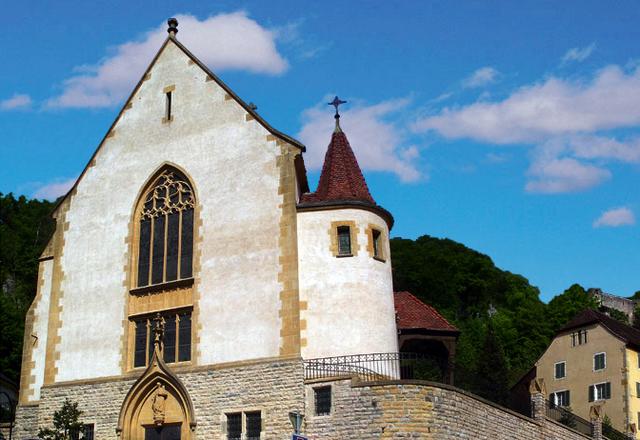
(411, 313)
(341, 178)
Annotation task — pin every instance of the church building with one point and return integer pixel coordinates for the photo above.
(193, 224)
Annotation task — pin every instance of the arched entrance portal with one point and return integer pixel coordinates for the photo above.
(157, 407)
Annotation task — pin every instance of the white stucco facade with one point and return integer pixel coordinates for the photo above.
(350, 306)
(266, 283)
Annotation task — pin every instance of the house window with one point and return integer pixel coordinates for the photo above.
(600, 391)
(638, 389)
(249, 423)
(578, 338)
(177, 338)
(559, 398)
(322, 398)
(639, 362)
(165, 250)
(599, 361)
(560, 370)
(344, 240)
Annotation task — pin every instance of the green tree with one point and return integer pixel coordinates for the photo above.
(491, 380)
(616, 314)
(562, 308)
(65, 423)
(636, 316)
(25, 229)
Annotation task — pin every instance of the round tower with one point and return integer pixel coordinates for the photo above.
(345, 283)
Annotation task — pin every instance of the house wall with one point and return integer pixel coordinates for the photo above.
(580, 374)
(347, 302)
(236, 168)
(633, 371)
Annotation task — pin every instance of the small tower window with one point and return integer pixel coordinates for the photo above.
(376, 237)
(322, 397)
(344, 240)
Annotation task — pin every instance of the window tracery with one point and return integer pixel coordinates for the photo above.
(166, 230)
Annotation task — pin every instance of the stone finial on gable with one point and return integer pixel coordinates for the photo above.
(537, 386)
(173, 26)
(595, 412)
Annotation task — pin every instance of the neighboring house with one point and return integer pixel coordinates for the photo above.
(594, 358)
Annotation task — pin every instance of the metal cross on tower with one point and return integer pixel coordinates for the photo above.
(336, 103)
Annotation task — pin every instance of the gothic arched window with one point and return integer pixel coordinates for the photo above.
(165, 251)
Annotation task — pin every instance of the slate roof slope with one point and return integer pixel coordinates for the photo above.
(341, 181)
(411, 313)
(624, 332)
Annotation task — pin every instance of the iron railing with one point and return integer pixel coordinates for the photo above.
(612, 434)
(374, 366)
(567, 418)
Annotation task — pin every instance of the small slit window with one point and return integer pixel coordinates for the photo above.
(344, 240)
(376, 237)
(167, 112)
(234, 426)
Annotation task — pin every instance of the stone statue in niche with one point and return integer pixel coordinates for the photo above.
(158, 406)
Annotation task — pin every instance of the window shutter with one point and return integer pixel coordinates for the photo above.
(590, 393)
(568, 401)
(607, 390)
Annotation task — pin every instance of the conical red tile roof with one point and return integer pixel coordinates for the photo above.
(341, 178)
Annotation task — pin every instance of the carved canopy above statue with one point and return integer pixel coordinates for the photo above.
(157, 400)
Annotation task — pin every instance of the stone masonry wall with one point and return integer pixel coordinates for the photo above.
(421, 411)
(274, 387)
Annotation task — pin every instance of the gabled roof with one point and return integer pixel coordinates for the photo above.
(342, 183)
(626, 333)
(171, 38)
(411, 313)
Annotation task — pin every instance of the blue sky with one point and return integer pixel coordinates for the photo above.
(512, 127)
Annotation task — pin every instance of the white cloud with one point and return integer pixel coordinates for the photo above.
(615, 217)
(481, 77)
(377, 143)
(17, 101)
(53, 190)
(223, 42)
(578, 54)
(551, 108)
(561, 175)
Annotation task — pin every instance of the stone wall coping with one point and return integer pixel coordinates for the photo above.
(29, 404)
(181, 369)
(575, 431)
(426, 383)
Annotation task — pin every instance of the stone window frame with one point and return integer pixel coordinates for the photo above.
(243, 412)
(595, 355)
(555, 370)
(353, 233)
(315, 390)
(132, 332)
(381, 245)
(159, 297)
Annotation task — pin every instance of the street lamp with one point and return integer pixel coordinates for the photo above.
(296, 421)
